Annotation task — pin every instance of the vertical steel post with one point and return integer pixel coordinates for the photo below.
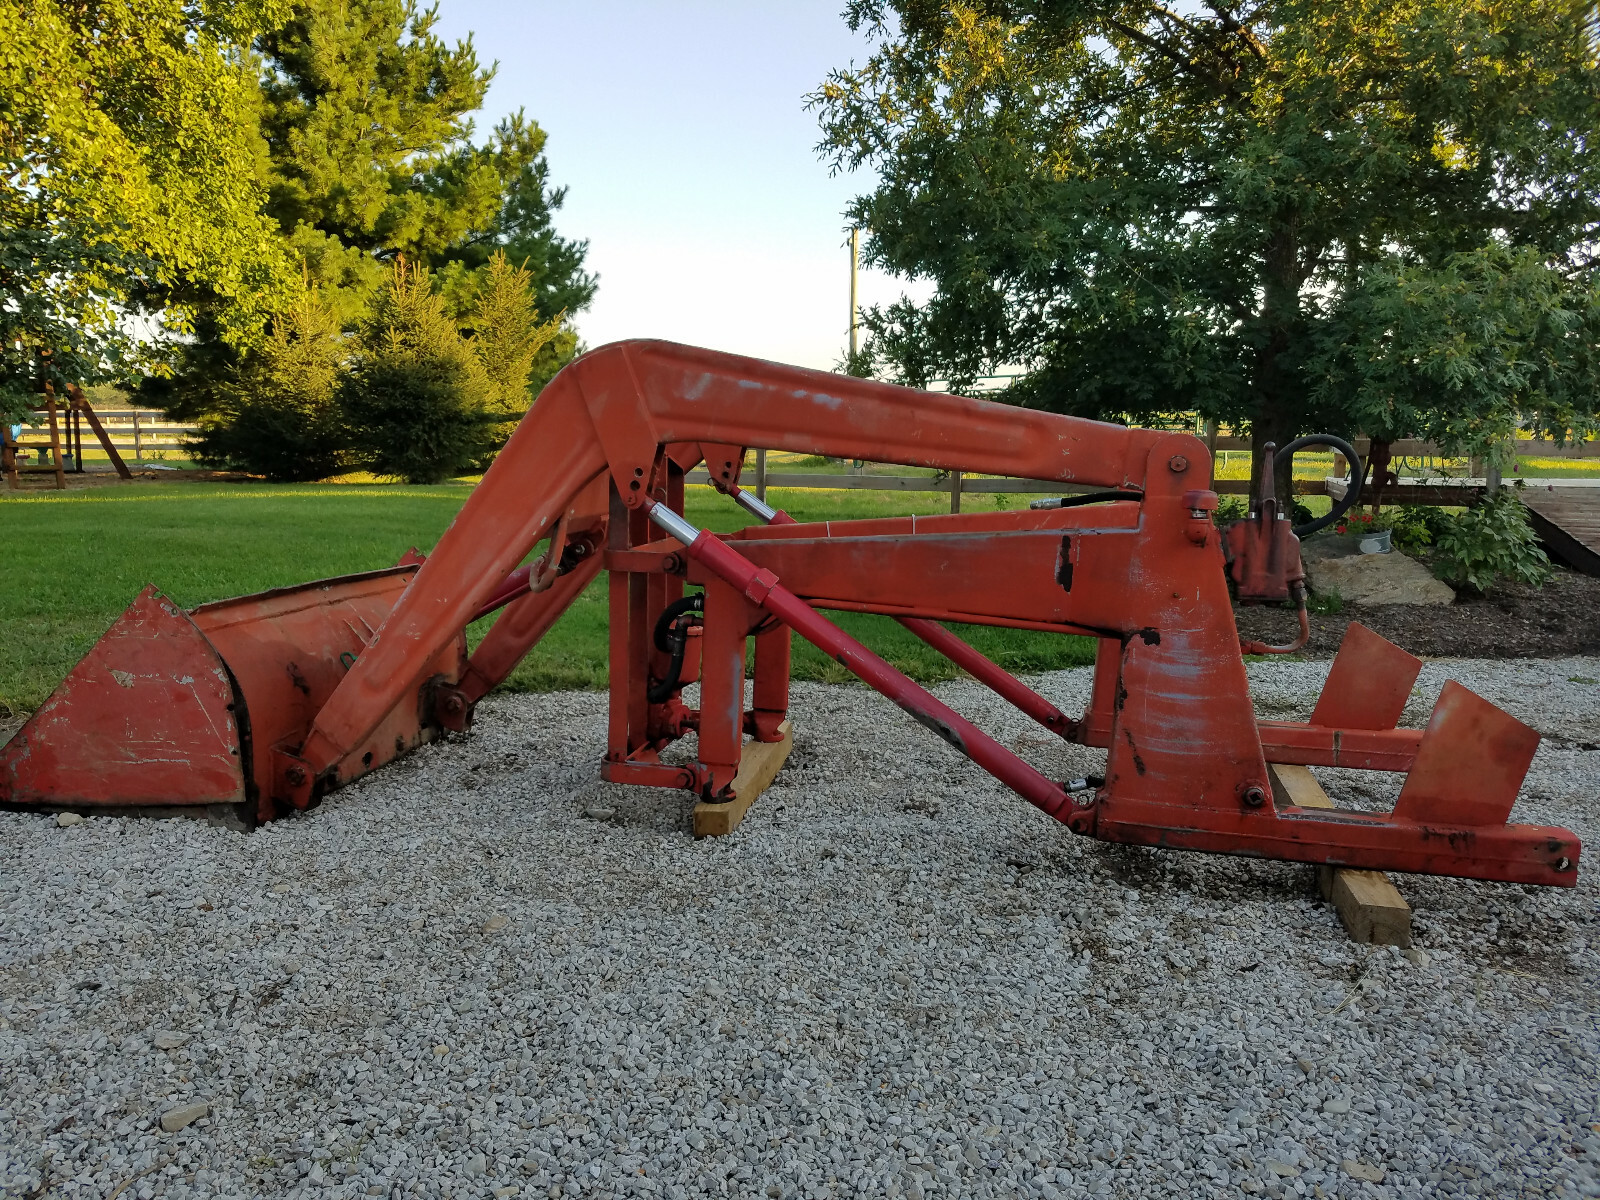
(855, 310)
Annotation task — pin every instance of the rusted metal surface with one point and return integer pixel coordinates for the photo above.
(1368, 684)
(147, 718)
(290, 648)
(337, 678)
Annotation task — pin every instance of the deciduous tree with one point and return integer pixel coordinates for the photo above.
(1300, 214)
(129, 146)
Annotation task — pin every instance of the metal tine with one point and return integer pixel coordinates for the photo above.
(1369, 683)
(1470, 765)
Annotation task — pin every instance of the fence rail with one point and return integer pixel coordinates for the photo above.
(139, 432)
(136, 430)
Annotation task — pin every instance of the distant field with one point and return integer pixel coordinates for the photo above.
(74, 560)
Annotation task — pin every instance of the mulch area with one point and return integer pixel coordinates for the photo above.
(1512, 621)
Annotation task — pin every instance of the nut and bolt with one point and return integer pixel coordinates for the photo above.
(453, 705)
(296, 775)
(1178, 464)
(1254, 797)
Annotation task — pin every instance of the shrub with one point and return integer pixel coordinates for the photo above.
(417, 402)
(1415, 527)
(1491, 541)
(279, 415)
(508, 338)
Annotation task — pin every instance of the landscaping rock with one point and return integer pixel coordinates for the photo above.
(183, 1116)
(1378, 579)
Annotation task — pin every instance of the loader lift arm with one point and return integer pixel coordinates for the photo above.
(598, 469)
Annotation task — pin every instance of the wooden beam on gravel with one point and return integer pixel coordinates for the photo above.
(759, 763)
(1370, 906)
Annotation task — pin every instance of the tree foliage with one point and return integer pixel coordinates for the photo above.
(365, 114)
(417, 396)
(280, 415)
(128, 156)
(1298, 214)
(508, 334)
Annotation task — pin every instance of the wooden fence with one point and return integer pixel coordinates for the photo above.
(142, 435)
(139, 435)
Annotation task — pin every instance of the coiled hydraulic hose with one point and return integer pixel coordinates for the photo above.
(1352, 494)
(672, 639)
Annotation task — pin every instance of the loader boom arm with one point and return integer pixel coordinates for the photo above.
(614, 410)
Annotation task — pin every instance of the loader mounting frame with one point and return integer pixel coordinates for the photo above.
(597, 471)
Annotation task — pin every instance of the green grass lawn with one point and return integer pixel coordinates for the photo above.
(73, 561)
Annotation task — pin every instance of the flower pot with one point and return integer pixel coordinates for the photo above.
(1376, 543)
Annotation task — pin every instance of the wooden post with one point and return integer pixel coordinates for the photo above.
(80, 404)
(855, 310)
(138, 441)
(1367, 902)
(761, 475)
(8, 456)
(955, 491)
(55, 436)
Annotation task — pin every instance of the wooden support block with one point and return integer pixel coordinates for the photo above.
(1370, 906)
(759, 763)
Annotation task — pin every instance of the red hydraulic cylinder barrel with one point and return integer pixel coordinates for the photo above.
(988, 673)
(761, 587)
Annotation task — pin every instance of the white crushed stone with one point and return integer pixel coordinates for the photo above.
(895, 979)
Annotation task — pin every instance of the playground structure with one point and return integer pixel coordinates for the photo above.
(63, 442)
(264, 704)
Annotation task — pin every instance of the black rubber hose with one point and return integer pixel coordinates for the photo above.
(1352, 494)
(673, 640)
(695, 603)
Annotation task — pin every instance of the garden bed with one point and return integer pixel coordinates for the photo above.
(1512, 621)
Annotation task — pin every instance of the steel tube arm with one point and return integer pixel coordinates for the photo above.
(617, 406)
(974, 663)
(762, 588)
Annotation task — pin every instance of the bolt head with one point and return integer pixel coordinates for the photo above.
(1254, 797)
(296, 775)
(1178, 464)
(453, 705)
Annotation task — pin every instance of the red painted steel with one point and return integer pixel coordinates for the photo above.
(147, 718)
(1470, 764)
(336, 681)
(760, 587)
(1368, 684)
(974, 663)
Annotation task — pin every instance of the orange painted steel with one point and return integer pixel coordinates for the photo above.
(597, 469)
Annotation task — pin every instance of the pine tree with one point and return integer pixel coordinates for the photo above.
(279, 416)
(417, 400)
(369, 158)
(508, 334)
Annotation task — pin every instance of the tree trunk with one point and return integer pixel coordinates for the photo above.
(1276, 419)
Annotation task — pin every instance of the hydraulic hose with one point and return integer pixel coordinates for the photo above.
(1352, 495)
(672, 639)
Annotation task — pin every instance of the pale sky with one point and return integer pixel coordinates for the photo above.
(681, 134)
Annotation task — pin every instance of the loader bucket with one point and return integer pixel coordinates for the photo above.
(173, 710)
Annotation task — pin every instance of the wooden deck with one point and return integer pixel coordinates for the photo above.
(1568, 519)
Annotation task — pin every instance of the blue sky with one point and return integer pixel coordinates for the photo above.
(681, 133)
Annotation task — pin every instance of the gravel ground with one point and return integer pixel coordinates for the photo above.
(895, 979)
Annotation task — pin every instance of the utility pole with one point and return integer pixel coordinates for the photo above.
(855, 312)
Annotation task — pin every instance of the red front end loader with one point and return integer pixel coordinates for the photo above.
(262, 705)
